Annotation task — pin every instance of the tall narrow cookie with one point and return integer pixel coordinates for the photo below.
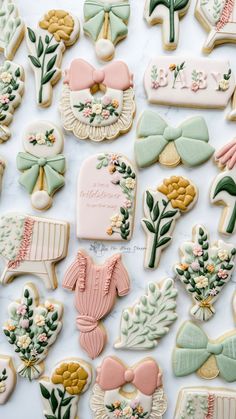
(12, 28)
(58, 29)
(7, 378)
(32, 328)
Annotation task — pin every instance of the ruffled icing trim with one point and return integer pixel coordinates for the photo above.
(111, 263)
(25, 244)
(226, 13)
(85, 131)
(211, 406)
(82, 265)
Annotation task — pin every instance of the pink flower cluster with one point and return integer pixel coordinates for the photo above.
(21, 310)
(197, 250)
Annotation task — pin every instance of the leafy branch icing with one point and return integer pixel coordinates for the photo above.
(3, 378)
(11, 28)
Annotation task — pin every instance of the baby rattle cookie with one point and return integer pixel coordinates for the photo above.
(61, 391)
(158, 142)
(219, 19)
(32, 328)
(58, 30)
(106, 197)
(162, 208)
(12, 29)
(106, 24)
(168, 13)
(7, 378)
(146, 398)
(223, 189)
(94, 118)
(32, 245)
(42, 163)
(96, 288)
(195, 352)
(148, 321)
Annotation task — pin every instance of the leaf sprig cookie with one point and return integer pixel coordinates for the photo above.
(58, 29)
(12, 28)
(204, 270)
(7, 378)
(32, 328)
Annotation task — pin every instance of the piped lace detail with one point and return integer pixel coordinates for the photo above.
(110, 268)
(211, 406)
(25, 244)
(226, 13)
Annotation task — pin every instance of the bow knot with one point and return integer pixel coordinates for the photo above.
(214, 348)
(171, 134)
(98, 76)
(129, 375)
(107, 7)
(42, 161)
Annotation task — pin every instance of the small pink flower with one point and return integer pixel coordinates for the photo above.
(195, 86)
(21, 310)
(87, 112)
(195, 266)
(213, 292)
(105, 114)
(42, 337)
(4, 98)
(88, 101)
(155, 85)
(24, 323)
(222, 273)
(197, 250)
(128, 203)
(134, 404)
(32, 137)
(117, 413)
(106, 100)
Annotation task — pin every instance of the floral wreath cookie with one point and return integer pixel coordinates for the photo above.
(223, 189)
(162, 208)
(61, 391)
(219, 19)
(158, 142)
(12, 28)
(32, 328)
(57, 30)
(7, 378)
(32, 245)
(146, 399)
(106, 24)
(204, 271)
(11, 92)
(42, 164)
(167, 12)
(148, 321)
(195, 352)
(93, 118)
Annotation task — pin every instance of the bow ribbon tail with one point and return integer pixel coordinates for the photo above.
(54, 179)
(29, 178)
(226, 361)
(147, 150)
(117, 27)
(94, 25)
(187, 361)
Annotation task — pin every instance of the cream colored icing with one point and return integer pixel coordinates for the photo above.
(11, 28)
(7, 378)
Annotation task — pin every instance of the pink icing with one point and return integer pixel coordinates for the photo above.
(226, 13)
(95, 296)
(211, 406)
(226, 156)
(82, 75)
(25, 244)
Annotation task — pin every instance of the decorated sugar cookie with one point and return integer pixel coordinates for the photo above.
(162, 208)
(97, 118)
(146, 398)
(32, 245)
(159, 142)
(32, 328)
(206, 403)
(96, 288)
(106, 24)
(57, 30)
(11, 91)
(61, 391)
(223, 189)
(204, 271)
(42, 163)
(195, 352)
(2, 169)
(148, 321)
(12, 28)
(168, 13)
(7, 378)
(106, 198)
(219, 19)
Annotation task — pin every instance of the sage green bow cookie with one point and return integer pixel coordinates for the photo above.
(193, 349)
(53, 168)
(154, 134)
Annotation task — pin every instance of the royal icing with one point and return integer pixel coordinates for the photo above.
(61, 391)
(32, 245)
(2, 169)
(219, 19)
(11, 91)
(146, 398)
(162, 208)
(148, 321)
(42, 164)
(223, 189)
(168, 13)
(57, 30)
(32, 328)
(7, 378)
(12, 29)
(204, 271)
(106, 198)
(194, 352)
(97, 118)
(200, 83)
(96, 288)
(106, 24)
(159, 142)
(206, 403)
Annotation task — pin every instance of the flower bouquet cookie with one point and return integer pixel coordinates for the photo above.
(7, 378)
(12, 28)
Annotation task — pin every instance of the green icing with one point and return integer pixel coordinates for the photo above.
(94, 25)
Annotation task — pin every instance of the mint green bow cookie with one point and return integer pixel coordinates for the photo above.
(94, 14)
(193, 349)
(53, 168)
(190, 139)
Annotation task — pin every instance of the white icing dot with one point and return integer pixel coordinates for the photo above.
(41, 200)
(104, 49)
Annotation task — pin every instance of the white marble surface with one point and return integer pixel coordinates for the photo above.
(142, 43)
